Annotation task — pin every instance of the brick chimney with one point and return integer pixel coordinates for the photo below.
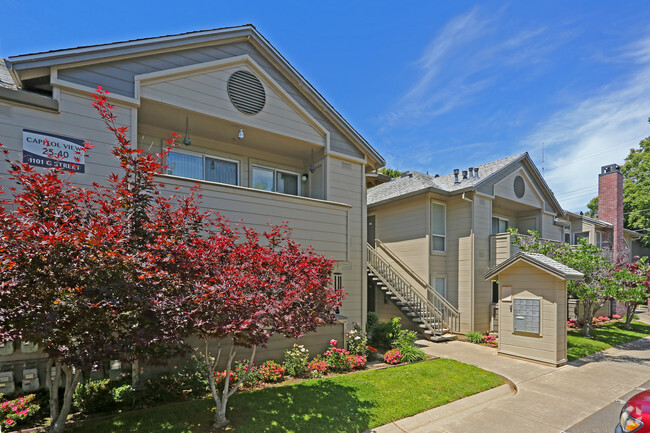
(610, 207)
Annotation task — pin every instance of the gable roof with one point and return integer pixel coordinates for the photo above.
(6, 80)
(137, 47)
(414, 183)
(539, 260)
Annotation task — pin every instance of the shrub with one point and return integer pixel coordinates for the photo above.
(164, 389)
(336, 358)
(296, 360)
(371, 321)
(489, 339)
(271, 372)
(405, 338)
(357, 340)
(124, 396)
(393, 356)
(616, 316)
(572, 324)
(356, 361)
(94, 396)
(474, 337)
(385, 333)
(317, 367)
(194, 376)
(254, 377)
(412, 354)
(17, 412)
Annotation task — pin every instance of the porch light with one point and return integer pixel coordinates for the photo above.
(241, 134)
(186, 139)
(305, 177)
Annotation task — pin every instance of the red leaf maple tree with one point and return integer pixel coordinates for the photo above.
(126, 271)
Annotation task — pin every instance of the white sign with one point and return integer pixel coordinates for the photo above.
(42, 149)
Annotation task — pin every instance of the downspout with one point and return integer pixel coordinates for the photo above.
(471, 234)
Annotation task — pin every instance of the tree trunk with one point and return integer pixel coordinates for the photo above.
(630, 308)
(57, 423)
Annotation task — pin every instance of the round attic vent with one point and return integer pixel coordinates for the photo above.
(520, 187)
(246, 92)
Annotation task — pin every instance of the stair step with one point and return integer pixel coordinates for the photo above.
(443, 337)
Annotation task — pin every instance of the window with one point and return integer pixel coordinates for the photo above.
(578, 236)
(338, 280)
(567, 238)
(599, 239)
(495, 292)
(526, 315)
(499, 225)
(269, 179)
(438, 227)
(196, 166)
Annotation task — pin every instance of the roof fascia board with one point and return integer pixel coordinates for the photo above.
(490, 176)
(541, 266)
(94, 54)
(409, 195)
(57, 83)
(164, 75)
(316, 98)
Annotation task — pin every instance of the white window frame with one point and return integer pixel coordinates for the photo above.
(575, 237)
(598, 241)
(444, 205)
(203, 156)
(275, 172)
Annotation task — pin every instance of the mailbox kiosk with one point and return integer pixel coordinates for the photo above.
(533, 307)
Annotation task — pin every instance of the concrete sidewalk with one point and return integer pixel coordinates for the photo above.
(548, 399)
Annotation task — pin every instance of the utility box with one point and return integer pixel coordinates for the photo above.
(6, 348)
(533, 307)
(30, 380)
(7, 385)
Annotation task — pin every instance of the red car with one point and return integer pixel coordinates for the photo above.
(635, 416)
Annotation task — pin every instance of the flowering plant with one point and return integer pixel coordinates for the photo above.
(616, 316)
(14, 412)
(337, 358)
(253, 379)
(271, 372)
(357, 340)
(393, 356)
(572, 324)
(296, 360)
(220, 378)
(317, 367)
(371, 353)
(489, 339)
(356, 361)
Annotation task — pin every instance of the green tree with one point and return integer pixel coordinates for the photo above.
(390, 172)
(630, 283)
(636, 189)
(595, 289)
(593, 208)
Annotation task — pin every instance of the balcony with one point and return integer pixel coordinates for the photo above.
(502, 248)
(323, 225)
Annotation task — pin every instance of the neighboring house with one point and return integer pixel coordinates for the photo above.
(262, 142)
(432, 238)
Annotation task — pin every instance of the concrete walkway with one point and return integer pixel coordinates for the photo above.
(547, 399)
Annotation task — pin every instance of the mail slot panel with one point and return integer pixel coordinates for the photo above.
(27, 347)
(30, 380)
(7, 385)
(6, 348)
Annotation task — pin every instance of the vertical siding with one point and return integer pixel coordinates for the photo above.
(549, 230)
(458, 226)
(482, 288)
(346, 184)
(466, 283)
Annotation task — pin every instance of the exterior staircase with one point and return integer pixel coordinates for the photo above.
(434, 315)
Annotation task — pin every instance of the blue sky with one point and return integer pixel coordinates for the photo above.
(432, 85)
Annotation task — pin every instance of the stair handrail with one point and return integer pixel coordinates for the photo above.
(447, 317)
(416, 277)
(373, 254)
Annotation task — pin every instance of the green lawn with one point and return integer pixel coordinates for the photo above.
(604, 337)
(347, 403)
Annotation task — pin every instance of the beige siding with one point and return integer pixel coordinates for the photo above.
(531, 283)
(458, 225)
(482, 288)
(505, 188)
(402, 227)
(347, 184)
(551, 231)
(206, 92)
(466, 283)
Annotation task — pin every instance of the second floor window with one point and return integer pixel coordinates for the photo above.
(438, 227)
(499, 225)
(203, 167)
(269, 179)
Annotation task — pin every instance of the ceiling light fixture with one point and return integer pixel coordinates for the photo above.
(186, 140)
(241, 134)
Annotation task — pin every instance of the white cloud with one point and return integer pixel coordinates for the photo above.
(597, 131)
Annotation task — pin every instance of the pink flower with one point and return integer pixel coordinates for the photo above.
(333, 342)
